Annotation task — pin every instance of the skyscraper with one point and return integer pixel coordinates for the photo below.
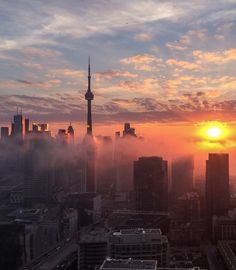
(38, 171)
(27, 125)
(18, 126)
(71, 134)
(182, 175)
(151, 184)
(4, 133)
(217, 186)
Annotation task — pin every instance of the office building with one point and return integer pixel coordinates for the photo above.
(38, 171)
(224, 227)
(182, 175)
(151, 184)
(71, 134)
(128, 130)
(139, 244)
(18, 127)
(227, 252)
(27, 125)
(128, 264)
(127, 219)
(92, 249)
(4, 133)
(217, 186)
(188, 208)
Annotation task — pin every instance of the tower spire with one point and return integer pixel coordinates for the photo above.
(89, 97)
(89, 75)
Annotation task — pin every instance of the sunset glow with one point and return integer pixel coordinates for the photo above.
(214, 132)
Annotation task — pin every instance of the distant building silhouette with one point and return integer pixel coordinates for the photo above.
(18, 127)
(71, 134)
(27, 125)
(124, 156)
(217, 186)
(4, 133)
(182, 175)
(151, 184)
(89, 97)
(38, 171)
(128, 130)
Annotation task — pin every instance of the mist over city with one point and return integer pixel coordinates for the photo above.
(118, 135)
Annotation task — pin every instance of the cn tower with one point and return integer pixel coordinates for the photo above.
(89, 97)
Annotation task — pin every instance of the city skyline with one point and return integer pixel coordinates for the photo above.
(164, 67)
(117, 134)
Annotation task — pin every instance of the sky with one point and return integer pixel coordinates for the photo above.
(164, 66)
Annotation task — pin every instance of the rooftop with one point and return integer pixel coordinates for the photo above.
(129, 264)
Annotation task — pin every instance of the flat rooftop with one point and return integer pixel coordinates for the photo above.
(137, 231)
(129, 264)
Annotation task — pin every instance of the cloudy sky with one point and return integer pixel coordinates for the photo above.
(152, 61)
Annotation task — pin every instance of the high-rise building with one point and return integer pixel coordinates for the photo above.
(38, 171)
(144, 244)
(4, 133)
(62, 136)
(182, 175)
(188, 208)
(71, 134)
(128, 130)
(18, 126)
(124, 157)
(217, 186)
(27, 125)
(151, 184)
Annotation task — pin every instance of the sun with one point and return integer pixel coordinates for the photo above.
(214, 132)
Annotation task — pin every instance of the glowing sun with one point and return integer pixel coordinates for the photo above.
(214, 132)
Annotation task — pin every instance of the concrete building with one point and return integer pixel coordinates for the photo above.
(27, 234)
(224, 227)
(88, 205)
(227, 250)
(113, 264)
(93, 248)
(188, 208)
(130, 264)
(151, 184)
(140, 244)
(127, 219)
(217, 186)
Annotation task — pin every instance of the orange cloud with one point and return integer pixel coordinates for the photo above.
(219, 57)
(143, 62)
(182, 64)
(70, 73)
(110, 74)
